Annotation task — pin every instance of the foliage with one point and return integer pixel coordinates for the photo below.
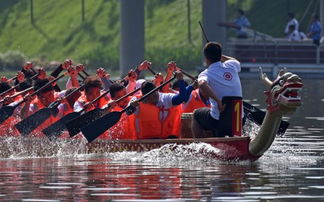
(58, 31)
(12, 60)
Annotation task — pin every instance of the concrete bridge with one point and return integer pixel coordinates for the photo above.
(132, 29)
(273, 53)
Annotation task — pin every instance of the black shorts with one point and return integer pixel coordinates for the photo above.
(205, 120)
(316, 42)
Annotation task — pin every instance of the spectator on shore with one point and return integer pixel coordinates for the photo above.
(292, 21)
(293, 34)
(315, 30)
(240, 24)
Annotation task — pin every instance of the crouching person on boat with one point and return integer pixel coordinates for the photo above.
(218, 80)
(158, 116)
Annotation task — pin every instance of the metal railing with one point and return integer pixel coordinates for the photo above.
(262, 48)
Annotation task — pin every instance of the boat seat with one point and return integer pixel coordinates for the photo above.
(230, 120)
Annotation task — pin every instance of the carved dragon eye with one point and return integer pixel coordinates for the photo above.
(281, 82)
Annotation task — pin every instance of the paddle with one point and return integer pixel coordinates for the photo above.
(58, 127)
(85, 73)
(96, 128)
(14, 87)
(257, 116)
(30, 123)
(76, 120)
(73, 123)
(17, 94)
(253, 113)
(82, 77)
(151, 70)
(7, 111)
(13, 78)
(202, 29)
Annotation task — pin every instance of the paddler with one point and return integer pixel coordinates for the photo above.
(158, 116)
(122, 130)
(196, 100)
(92, 90)
(67, 104)
(43, 99)
(219, 79)
(5, 86)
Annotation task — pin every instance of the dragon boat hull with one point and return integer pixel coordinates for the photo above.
(229, 148)
(226, 149)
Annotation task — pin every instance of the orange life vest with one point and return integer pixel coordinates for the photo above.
(38, 131)
(149, 125)
(123, 129)
(18, 98)
(194, 103)
(7, 128)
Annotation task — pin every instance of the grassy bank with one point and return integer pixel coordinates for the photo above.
(57, 31)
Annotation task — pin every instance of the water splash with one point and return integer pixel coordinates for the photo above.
(193, 155)
(250, 129)
(27, 147)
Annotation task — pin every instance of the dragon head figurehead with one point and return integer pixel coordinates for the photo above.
(284, 93)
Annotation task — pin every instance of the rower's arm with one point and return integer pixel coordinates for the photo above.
(225, 58)
(183, 95)
(75, 82)
(25, 111)
(106, 83)
(57, 71)
(131, 86)
(205, 88)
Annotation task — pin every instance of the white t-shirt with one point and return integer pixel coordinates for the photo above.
(292, 22)
(78, 106)
(34, 108)
(165, 102)
(224, 80)
(294, 36)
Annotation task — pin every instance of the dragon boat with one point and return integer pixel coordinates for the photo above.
(282, 99)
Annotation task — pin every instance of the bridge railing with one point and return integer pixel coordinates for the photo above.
(265, 49)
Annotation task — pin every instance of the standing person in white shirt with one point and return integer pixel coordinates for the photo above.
(219, 79)
(292, 21)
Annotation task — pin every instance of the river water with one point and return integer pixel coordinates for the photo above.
(291, 170)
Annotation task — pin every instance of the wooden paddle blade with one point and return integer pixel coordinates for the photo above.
(76, 124)
(282, 128)
(56, 129)
(96, 128)
(256, 115)
(6, 112)
(30, 123)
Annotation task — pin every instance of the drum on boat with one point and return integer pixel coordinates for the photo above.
(186, 119)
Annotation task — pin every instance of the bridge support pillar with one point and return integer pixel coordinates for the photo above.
(214, 12)
(321, 15)
(132, 34)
